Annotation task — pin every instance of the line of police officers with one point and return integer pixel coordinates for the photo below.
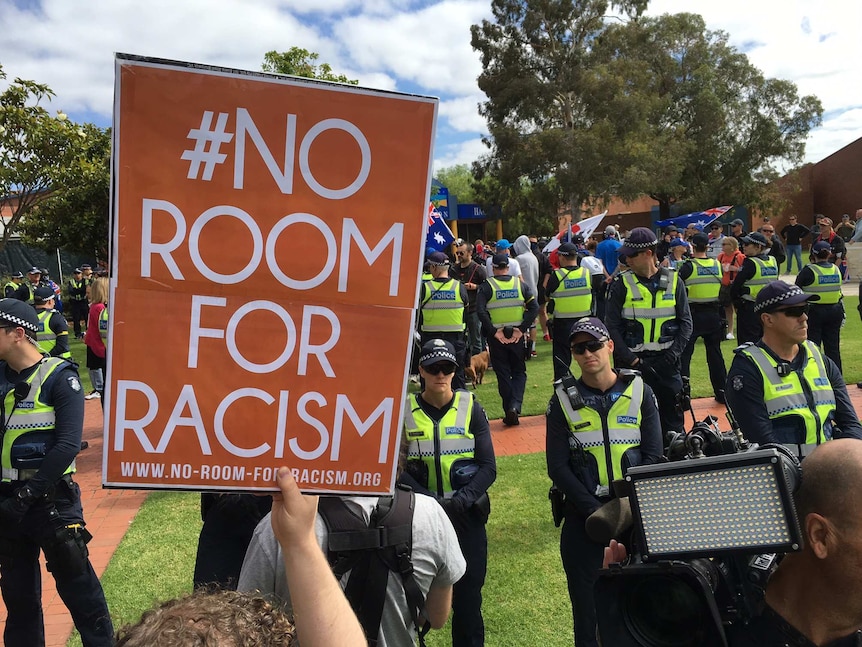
(780, 386)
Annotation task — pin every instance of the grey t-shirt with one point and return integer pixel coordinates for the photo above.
(437, 561)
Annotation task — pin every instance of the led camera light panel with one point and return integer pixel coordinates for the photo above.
(736, 508)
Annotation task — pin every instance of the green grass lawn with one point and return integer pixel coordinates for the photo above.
(525, 594)
(525, 603)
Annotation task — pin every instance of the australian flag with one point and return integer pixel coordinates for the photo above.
(439, 236)
(702, 218)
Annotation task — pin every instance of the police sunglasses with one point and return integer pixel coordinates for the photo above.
(796, 311)
(446, 368)
(594, 345)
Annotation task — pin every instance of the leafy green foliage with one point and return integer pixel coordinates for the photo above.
(300, 62)
(75, 216)
(34, 147)
(582, 108)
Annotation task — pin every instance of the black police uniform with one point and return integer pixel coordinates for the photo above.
(745, 399)
(508, 360)
(708, 323)
(457, 339)
(78, 303)
(660, 369)
(824, 319)
(54, 522)
(229, 523)
(581, 556)
(468, 510)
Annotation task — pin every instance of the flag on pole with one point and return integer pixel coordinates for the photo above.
(702, 218)
(584, 228)
(438, 236)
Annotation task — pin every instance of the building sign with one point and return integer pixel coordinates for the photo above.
(267, 232)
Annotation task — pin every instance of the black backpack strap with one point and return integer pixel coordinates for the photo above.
(370, 553)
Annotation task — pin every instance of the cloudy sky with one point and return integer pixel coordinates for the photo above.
(420, 46)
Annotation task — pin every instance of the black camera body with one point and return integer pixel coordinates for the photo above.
(659, 599)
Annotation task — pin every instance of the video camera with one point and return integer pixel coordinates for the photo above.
(708, 531)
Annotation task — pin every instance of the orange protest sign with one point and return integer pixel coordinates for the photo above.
(267, 237)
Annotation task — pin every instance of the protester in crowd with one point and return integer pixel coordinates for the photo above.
(716, 239)
(323, 616)
(606, 251)
(776, 248)
(504, 247)
(436, 562)
(96, 337)
(857, 228)
(737, 229)
(837, 248)
(679, 252)
(530, 275)
(471, 275)
(545, 269)
(793, 233)
(845, 228)
(731, 260)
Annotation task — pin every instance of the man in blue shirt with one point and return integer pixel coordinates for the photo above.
(607, 250)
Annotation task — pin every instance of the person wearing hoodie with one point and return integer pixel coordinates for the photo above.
(530, 275)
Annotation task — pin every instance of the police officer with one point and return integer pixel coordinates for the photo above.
(34, 280)
(10, 290)
(608, 423)
(78, 301)
(649, 321)
(826, 316)
(451, 457)
(507, 308)
(441, 312)
(782, 389)
(40, 506)
(570, 288)
(702, 277)
(757, 270)
(52, 337)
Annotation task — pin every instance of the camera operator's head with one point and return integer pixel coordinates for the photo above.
(783, 311)
(592, 348)
(819, 590)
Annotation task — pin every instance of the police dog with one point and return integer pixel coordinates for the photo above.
(475, 371)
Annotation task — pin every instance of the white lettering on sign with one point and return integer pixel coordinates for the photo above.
(265, 246)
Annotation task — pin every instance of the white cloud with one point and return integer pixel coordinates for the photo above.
(465, 152)
(430, 47)
(462, 113)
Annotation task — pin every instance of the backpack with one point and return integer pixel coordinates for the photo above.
(370, 551)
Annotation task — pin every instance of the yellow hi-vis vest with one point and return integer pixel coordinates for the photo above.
(607, 439)
(506, 305)
(31, 422)
(103, 325)
(573, 298)
(766, 271)
(789, 395)
(827, 284)
(440, 445)
(10, 284)
(77, 285)
(46, 338)
(31, 299)
(442, 307)
(704, 281)
(651, 311)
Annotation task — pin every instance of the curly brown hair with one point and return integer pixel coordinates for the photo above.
(210, 618)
